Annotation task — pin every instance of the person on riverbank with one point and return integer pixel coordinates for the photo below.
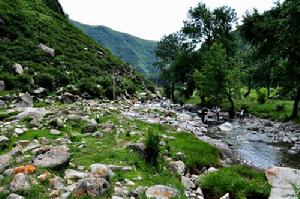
(242, 115)
(202, 113)
(217, 111)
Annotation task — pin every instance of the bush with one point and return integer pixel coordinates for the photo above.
(90, 86)
(152, 148)
(129, 86)
(107, 84)
(261, 98)
(45, 80)
(239, 181)
(280, 108)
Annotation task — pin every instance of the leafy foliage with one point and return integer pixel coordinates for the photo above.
(152, 147)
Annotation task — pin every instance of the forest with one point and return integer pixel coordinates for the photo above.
(214, 61)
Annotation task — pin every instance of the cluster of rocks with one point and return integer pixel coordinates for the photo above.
(94, 181)
(166, 113)
(277, 132)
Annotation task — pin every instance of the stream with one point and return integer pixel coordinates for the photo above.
(254, 147)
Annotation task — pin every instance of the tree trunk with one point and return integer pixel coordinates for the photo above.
(231, 111)
(296, 104)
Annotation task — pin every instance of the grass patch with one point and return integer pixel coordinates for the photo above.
(5, 115)
(198, 154)
(29, 135)
(239, 181)
(111, 150)
(268, 110)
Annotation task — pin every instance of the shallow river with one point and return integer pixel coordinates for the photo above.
(254, 147)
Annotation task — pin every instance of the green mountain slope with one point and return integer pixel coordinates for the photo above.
(78, 60)
(137, 52)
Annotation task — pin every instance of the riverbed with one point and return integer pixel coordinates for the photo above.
(256, 148)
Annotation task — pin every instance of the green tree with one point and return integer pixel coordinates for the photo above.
(276, 33)
(218, 77)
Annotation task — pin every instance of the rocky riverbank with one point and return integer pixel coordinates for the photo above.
(49, 151)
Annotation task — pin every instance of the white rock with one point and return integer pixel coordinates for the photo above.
(14, 196)
(73, 174)
(55, 132)
(282, 180)
(18, 68)
(178, 167)
(47, 50)
(187, 183)
(226, 127)
(100, 171)
(226, 196)
(161, 192)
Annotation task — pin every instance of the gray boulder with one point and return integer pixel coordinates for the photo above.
(49, 51)
(73, 174)
(2, 104)
(21, 182)
(39, 91)
(178, 167)
(68, 98)
(55, 132)
(187, 183)
(4, 162)
(3, 141)
(54, 157)
(283, 180)
(18, 68)
(25, 100)
(100, 171)
(226, 127)
(57, 183)
(90, 128)
(36, 113)
(91, 187)
(15, 196)
(161, 192)
(137, 147)
(2, 85)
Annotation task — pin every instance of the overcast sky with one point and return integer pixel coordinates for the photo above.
(147, 19)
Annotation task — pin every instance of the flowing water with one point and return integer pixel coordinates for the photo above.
(253, 147)
(256, 148)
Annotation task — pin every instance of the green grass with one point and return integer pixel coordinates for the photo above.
(4, 115)
(267, 110)
(198, 154)
(29, 135)
(112, 150)
(237, 180)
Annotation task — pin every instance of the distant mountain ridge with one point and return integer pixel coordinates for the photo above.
(137, 52)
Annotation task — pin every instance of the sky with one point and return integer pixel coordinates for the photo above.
(148, 19)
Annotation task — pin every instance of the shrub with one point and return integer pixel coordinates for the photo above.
(107, 84)
(45, 80)
(90, 86)
(152, 148)
(280, 108)
(239, 181)
(261, 98)
(129, 86)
